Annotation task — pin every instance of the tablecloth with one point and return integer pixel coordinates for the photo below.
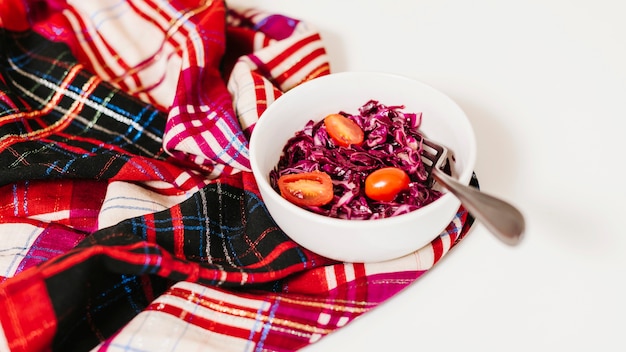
(129, 218)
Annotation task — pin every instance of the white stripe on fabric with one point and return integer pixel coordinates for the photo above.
(182, 178)
(219, 313)
(303, 72)
(331, 278)
(52, 216)
(221, 295)
(260, 40)
(343, 321)
(241, 87)
(175, 188)
(158, 331)
(270, 94)
(15, 242)
(296, 56)
(4, 344)
(349, 272)
(125, 200)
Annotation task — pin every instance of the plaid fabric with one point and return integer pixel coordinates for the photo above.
(129, 219)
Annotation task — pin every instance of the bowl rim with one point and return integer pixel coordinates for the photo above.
(265, 186)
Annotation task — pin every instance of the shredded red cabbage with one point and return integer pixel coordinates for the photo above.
(392, 138)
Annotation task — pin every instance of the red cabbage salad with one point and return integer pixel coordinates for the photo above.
(390, 140)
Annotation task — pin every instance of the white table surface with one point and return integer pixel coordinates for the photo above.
(544, 85)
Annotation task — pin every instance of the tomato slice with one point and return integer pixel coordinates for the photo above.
(343, 131)
(306, 189)
(385, 184)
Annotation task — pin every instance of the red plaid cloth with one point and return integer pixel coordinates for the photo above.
(129, 219)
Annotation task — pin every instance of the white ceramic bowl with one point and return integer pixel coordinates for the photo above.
(360, 240)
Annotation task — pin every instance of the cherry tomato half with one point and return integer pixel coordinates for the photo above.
(306, 189)
(385, 184)
(343, 131)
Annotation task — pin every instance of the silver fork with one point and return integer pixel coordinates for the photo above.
(501, 218)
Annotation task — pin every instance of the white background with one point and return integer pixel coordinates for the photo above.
(544, 85)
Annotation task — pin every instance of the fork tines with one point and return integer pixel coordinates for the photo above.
(434, 155)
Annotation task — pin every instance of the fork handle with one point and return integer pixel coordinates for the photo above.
(501, 218)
